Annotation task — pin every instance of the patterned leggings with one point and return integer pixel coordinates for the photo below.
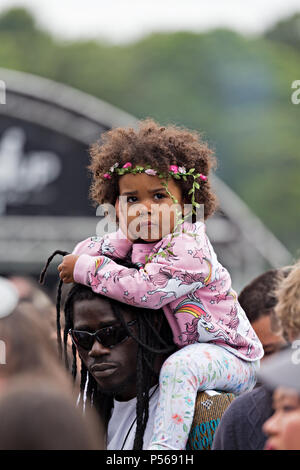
(199, 366)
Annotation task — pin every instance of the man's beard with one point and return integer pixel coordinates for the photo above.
(119, 388)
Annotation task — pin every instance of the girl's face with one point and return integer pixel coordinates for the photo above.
(283, 427)
(145, 209)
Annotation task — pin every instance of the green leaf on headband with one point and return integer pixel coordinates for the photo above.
(196, 185)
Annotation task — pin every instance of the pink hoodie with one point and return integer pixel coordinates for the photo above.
(191, 286)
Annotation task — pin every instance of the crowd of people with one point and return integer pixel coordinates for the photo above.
(155, 350)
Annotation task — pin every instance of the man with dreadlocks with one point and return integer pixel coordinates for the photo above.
(122, 353)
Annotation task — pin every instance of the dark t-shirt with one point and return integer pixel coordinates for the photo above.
(241, 425)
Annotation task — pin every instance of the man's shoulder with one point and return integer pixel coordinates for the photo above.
(257, 401)
(252, 397)
(240, 426)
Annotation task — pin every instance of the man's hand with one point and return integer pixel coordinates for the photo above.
(66, 268)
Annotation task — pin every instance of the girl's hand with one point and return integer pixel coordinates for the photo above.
(66, 268)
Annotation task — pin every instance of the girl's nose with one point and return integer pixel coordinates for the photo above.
(98, 349)
(146, 207)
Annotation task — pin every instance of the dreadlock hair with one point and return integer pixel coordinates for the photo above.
(58, 298)
(151, 342)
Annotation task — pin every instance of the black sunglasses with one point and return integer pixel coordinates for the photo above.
(109, 336)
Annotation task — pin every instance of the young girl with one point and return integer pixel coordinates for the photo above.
(153, 168)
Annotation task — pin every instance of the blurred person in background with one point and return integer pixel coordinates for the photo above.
(36, 414)
(29, 290)
(25, 336)
(28, 346)
(241, 425)
(37, 400)
(281, 375)
(283, 427)
(258, 300)
(287, 310)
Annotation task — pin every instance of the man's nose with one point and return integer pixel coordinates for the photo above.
(98, 349)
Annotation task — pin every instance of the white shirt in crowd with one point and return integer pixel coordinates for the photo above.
(123, 423)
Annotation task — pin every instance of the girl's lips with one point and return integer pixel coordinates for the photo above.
(147, 224)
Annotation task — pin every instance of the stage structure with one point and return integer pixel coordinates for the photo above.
(45, 132)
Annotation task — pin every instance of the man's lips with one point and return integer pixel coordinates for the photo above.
(103, 370)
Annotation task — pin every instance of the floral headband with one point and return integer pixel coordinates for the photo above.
(177, 172)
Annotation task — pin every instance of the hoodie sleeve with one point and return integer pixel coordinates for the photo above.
(114, 245)
(168, 276)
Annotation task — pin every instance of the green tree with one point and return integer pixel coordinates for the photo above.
(234, 89)
(286, 31)
(17, 19)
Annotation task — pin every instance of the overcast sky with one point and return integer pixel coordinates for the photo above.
(127, 20)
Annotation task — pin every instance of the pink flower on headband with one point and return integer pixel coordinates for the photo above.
(107, 176)
(173, 168)
(127, 165)
(151, 172)
(203, 177)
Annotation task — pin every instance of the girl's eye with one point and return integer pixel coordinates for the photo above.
(131, 199)
(159, 195)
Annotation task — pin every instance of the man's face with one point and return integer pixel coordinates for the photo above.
(118, 365)
(270, 341)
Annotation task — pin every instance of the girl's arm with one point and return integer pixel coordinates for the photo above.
(157, 284)
(114, 245)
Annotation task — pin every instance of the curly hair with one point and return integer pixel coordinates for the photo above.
(287, 310)
(258, 297)
(155, 145)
